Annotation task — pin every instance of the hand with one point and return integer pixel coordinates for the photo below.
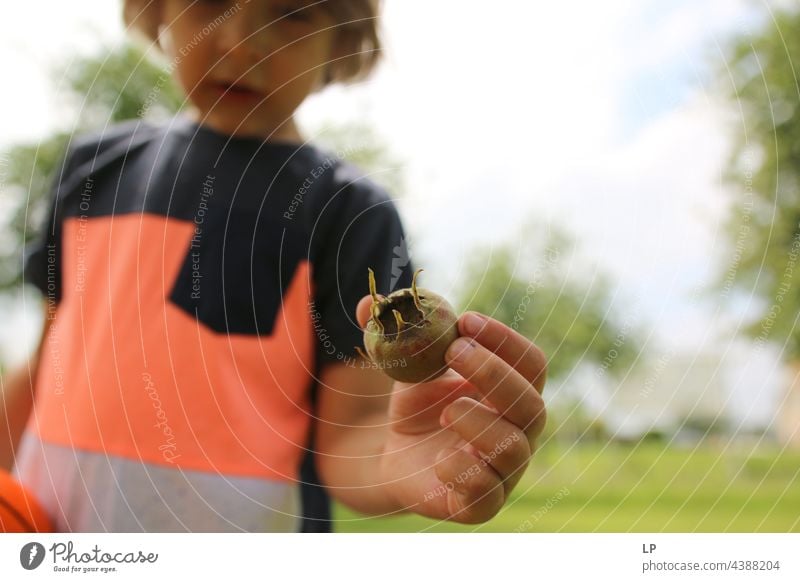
(457, 445)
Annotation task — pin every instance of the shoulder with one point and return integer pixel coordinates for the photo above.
(345, 188)
(357, 186)
(88, 154)
(125, 134)
(344, 198)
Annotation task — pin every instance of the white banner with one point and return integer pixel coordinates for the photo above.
(401, 557)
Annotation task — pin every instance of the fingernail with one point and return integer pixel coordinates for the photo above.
(473, 323)
(460, 349)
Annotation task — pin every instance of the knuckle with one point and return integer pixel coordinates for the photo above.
(480, 483)
(466, 405)
(494, 507)
(475, 489)
(536, 428)
(537, 415)
(492, 374)
(494, 500)
(539, 359)
(517, 451)
(480, 505)
(462, 409)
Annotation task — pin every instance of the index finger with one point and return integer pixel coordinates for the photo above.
(511, 346)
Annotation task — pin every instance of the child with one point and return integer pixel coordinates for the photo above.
(202, 278)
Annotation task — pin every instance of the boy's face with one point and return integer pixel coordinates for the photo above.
(246, 65)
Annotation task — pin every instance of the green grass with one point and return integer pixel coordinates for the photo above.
(635, 488)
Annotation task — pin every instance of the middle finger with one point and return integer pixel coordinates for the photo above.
(505, 388)
(500, 443)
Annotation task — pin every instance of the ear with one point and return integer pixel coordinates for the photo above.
(159, 12)
(162, 14)
(345, 43)
(165, 42)
(344, 55)
(146, 14)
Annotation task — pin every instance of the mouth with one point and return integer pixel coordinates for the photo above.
(233, 91)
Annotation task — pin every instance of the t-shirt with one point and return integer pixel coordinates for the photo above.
(197, 284)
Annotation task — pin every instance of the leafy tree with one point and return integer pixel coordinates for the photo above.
(100, 90)
(124, 84)
(29, 173)
(760, 80)
(569, 318)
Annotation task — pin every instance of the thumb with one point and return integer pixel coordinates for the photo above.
(363, 312)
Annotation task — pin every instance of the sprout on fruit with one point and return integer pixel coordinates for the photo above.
(399, 320)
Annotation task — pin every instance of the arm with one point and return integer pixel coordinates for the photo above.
(351, 434)
(451, 448)
(17, 402)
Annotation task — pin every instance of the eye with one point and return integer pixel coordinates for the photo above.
(294, 13)
(210, 5)
(300, 11)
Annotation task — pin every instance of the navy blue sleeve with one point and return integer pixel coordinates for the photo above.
(84, 155)
(359, 228)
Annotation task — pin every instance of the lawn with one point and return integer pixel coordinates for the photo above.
(636, 488)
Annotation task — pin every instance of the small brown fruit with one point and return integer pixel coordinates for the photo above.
(408, 332)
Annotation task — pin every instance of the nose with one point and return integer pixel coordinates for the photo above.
(242, 32)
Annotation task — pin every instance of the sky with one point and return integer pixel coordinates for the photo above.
(598, 116)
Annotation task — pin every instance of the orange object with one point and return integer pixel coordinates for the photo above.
(19, 510)
(172, 391)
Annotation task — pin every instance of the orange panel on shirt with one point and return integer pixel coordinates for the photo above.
(127, 373)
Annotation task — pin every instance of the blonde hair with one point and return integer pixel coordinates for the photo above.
(356, 24)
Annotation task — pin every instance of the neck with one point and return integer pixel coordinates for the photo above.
(287, 132)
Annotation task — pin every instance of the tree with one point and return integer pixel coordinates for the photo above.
(99, 90)
(531, 291)
(760, 80)
(29, 174)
